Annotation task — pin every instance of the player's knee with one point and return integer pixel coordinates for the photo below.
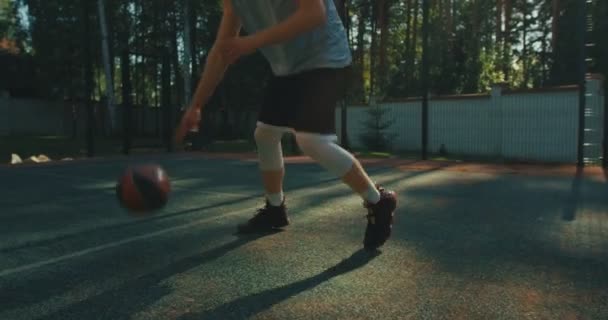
(268, 140)
(324, 150)
(266, 135)
(310, 143)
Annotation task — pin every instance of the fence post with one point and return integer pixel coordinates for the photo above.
(496, 94)
(582, 64)
(603, 90)
(88, 80)
(344, 125)
(425, 78)
(166, 99)
(126, 101)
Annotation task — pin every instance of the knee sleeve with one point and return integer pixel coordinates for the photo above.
(268, 141)
(326, 152)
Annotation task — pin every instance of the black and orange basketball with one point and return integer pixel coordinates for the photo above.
(143, 189)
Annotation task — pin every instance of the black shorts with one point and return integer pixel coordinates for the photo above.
(306, 101)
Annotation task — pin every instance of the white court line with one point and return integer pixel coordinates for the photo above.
(84, 252)
(176, 186)
(81, 253)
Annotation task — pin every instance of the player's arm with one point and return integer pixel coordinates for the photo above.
(309, 15)
(215, 66)
(213, 72)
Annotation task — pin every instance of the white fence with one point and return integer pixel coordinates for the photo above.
(531, 125)
(534, 125)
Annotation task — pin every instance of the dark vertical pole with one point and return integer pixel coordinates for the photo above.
(602, 45)
(425, 78)
(127, 104)
(166, 99)
(605, 140)
(582, 32)
(344, 126)
(347, 80)
(88, 80)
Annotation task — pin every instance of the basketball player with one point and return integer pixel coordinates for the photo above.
(305, 44)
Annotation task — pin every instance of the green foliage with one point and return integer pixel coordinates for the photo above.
(374, 135)
(489, 73)
(4, 19)
(470, 48)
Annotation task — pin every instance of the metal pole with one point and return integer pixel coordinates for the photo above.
(343, 110)
(344, 126)
(605, 142)
(126, 101)
(582, 23)
(166, 99)
(88, 81)
(425, 78)
(106, 64)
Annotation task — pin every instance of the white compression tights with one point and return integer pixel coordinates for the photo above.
(321, 148)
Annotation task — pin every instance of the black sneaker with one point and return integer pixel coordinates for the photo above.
(266, 219)
(380, 219)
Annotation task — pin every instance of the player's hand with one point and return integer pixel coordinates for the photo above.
(232, 49)
(190, 120)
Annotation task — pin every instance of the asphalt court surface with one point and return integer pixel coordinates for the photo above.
(466, 245)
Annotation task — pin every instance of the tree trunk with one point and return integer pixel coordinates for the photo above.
(373, 51)
(108, 65)
(499, 12)
(554, 24)
(543, 56)
(187, 71)
(360, 51)
(88, 79)
(384, 21)
(346, 20)
(156, 39)
(408, 44)
(193, 52)
(525, 44)
(474, 71)
(499, 32)
(450, 19)
(506, 51)
(424, 74)
(175, 57)
(411, 60)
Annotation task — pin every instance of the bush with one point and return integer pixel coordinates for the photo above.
(375, 137)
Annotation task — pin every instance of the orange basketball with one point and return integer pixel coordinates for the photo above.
(143, 189)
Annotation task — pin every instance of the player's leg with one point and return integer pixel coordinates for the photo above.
(271, 164)
(268, 134)
(315, 133)
(381, 203)
(323, 149)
